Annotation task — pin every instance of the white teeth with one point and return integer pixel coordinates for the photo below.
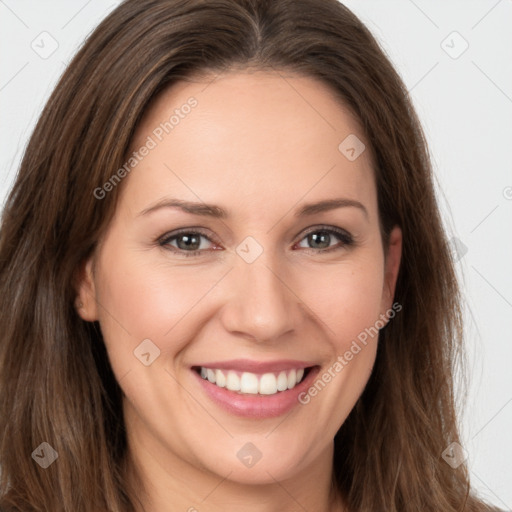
(220, 379)
(233, 381)
(282, 382)
(268, 384)
(251, 383)
(292, 379)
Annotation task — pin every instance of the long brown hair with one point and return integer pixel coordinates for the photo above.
(56, 385)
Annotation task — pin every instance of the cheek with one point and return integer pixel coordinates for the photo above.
(347, 298)
(348, 303)
(146, 299)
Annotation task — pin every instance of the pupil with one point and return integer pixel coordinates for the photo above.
(323, 238)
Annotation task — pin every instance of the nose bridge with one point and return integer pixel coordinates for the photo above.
(261, 305)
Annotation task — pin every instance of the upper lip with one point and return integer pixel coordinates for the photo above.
(249, 365)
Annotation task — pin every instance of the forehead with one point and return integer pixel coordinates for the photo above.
(266, 135)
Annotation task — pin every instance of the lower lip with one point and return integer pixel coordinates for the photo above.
(256, 405)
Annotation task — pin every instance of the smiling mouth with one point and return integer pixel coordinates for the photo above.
(266, 384)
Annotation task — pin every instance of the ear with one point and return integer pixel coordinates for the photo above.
(391, 268)
(86, 304)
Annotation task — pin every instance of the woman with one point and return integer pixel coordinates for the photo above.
(259, 370)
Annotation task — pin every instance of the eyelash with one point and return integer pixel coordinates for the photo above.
(344, 236)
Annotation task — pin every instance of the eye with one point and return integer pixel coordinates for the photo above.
(321, 237)
(188, 242)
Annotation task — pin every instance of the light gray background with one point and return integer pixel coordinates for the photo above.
(465, 104)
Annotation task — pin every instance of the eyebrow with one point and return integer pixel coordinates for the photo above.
(214, 211)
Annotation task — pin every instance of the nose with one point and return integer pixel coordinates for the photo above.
(261, 305)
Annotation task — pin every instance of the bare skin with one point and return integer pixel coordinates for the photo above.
(260, 145)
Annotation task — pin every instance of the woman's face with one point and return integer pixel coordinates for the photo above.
(257, 289)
